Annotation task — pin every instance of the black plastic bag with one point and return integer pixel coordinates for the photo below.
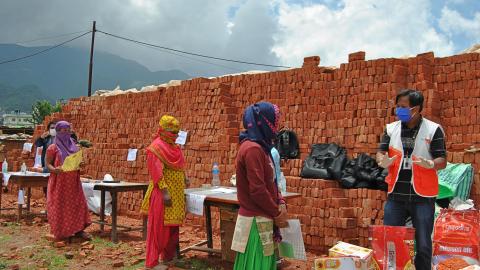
(348, 179)
(363, 172)
(326, 161)
(287, 144)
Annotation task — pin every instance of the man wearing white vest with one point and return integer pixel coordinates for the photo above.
(413, 149)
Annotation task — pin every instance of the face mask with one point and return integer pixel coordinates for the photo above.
(404, 114)
(63, 135)
(52, 132)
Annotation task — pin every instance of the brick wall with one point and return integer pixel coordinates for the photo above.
(349, 105)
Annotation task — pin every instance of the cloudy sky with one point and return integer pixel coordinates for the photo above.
(279, 32)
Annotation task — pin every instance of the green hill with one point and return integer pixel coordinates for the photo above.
(63, 73)
(20, 98)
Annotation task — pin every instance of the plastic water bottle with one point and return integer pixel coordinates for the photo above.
(24, 168)
(282, 184)
(4, 166)
(215, 175)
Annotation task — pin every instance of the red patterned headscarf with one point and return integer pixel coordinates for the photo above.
(164, 147)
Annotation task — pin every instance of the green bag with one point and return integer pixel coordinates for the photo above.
(455, 181)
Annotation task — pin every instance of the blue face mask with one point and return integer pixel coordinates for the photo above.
(404, 114)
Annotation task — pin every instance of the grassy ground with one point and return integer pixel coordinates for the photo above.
(24, 245)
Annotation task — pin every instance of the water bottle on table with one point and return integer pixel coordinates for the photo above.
(4, 166)
(215, 175)
(23, 169)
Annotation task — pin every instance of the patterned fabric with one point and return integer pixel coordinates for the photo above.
(164, 149)
(170, 154)
(254, 256)
(243, 228)
(175, 181)
(66, 205)
(261, 122)
(165, 164)
(164, 221)
(169, 127)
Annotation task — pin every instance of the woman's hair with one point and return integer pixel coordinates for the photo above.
(51, 123)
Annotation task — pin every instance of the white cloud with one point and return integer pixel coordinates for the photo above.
(248, 30)
(230, 25)
(195, 26)
(380, 28)
(252, 34)
(452, 22)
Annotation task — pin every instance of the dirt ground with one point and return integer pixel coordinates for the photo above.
(27, 245)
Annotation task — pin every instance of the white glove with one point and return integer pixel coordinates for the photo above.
(425, 163)
(385, 161)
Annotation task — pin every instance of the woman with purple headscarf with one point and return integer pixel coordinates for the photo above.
(66, 205)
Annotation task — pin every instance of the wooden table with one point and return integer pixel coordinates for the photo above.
(225, 201)
(27, 180)
(114, 189)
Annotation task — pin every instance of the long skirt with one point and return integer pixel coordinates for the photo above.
(161, 240)
(253, 257)
(67, 208)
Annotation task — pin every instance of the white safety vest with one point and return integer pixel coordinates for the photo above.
(424, 181)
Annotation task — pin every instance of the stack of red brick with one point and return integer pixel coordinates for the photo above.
(16, 157)
(329, 214)
(457, 82)
(13, 153)
(349, 105)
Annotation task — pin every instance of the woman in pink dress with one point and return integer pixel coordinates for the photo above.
(164, 202)
(66, 205)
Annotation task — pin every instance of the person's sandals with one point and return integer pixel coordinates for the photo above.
(84, 235)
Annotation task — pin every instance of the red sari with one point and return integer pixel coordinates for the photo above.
(66, 205)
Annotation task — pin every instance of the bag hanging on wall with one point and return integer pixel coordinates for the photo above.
(287, 144)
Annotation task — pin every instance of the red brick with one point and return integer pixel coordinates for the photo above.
(347, 212)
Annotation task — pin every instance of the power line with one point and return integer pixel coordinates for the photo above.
(190, 58)
(49, 37)
(190, 53)
(42, 51)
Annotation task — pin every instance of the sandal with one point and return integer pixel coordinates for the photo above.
(84, 235)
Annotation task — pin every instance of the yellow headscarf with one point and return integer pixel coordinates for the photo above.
(168, 130)
(164, 148)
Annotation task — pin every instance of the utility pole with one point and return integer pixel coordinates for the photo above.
(91, 61)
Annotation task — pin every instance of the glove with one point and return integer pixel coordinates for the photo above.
(425, 163)
(385, 161)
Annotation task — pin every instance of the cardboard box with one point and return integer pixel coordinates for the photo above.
(342, 249)
(339, 263)
(364, 255)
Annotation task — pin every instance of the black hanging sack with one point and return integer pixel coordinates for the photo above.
(287, 144)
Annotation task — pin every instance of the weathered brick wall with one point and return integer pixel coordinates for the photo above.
(349, 105)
